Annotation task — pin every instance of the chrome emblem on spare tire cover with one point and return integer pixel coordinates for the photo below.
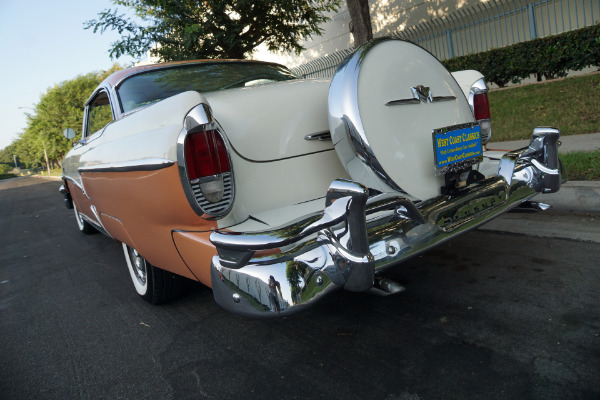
(422, 93)
(381, 145)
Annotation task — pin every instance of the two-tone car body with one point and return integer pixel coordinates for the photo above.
(275, 190)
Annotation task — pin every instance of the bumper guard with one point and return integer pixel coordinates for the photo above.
(282, 271)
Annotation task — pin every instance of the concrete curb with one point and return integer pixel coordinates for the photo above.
(574, 196)
(51, 177)
(569, 143)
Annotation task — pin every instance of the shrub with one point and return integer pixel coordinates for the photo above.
(5, 169)
(550, 57)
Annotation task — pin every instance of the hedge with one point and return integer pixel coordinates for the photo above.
(550, 57)
(5, 169)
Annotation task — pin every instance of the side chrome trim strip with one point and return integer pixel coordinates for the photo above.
(96, 225)
(147, 164)
(99, 223)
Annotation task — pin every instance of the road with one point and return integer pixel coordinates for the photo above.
(490, 315)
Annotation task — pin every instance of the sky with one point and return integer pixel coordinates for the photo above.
(43, 43)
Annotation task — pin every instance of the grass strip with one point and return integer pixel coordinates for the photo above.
(571, 105)
(582, 166)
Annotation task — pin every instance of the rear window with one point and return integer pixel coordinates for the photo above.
(150, 87)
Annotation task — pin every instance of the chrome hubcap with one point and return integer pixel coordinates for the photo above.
(139, 266)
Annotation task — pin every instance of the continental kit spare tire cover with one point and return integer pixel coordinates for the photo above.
(384, 102)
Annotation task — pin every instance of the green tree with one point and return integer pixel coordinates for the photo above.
(6, 154)
(192, 29)
(59, 108)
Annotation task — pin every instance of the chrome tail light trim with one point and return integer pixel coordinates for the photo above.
(200, 118)
(479, 87)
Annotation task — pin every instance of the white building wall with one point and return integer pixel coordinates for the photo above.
(387, 16)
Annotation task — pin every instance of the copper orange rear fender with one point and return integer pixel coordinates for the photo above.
(82, 202)
(150, 205)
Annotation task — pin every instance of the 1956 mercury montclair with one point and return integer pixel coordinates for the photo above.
(274, 190)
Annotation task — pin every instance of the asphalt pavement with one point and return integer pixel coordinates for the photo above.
(507, 311)
(489, 315)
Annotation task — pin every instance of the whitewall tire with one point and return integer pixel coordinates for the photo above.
(151, 283)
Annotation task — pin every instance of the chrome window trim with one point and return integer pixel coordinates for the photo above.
(170, 65)
(157, 67)
(200, 118)
(84, 133)
(148, 164)
(86, 115)
(114, 101)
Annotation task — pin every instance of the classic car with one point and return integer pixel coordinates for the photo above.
(275, 191)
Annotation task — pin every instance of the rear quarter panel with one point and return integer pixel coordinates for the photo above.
(137, 206)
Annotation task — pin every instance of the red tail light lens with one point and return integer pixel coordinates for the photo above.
(206, 155)
(204, 163)
(481, 106)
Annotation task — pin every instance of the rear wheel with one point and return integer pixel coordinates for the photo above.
(151, 283)
(82, 224)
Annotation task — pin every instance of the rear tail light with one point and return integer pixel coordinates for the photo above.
(207, 161)
(480, 105)
(205, 165)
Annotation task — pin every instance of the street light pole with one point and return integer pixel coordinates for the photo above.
(46, 156)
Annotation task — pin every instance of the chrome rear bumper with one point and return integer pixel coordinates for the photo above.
(279, 272)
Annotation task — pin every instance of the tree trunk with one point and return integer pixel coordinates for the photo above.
(361, 21)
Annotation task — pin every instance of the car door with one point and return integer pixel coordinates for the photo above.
(98, 114)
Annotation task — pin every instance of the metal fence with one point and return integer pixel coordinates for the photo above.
(500, 23)
(323, 67)
(496, 23)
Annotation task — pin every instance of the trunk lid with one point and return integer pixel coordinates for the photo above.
(270, 122)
